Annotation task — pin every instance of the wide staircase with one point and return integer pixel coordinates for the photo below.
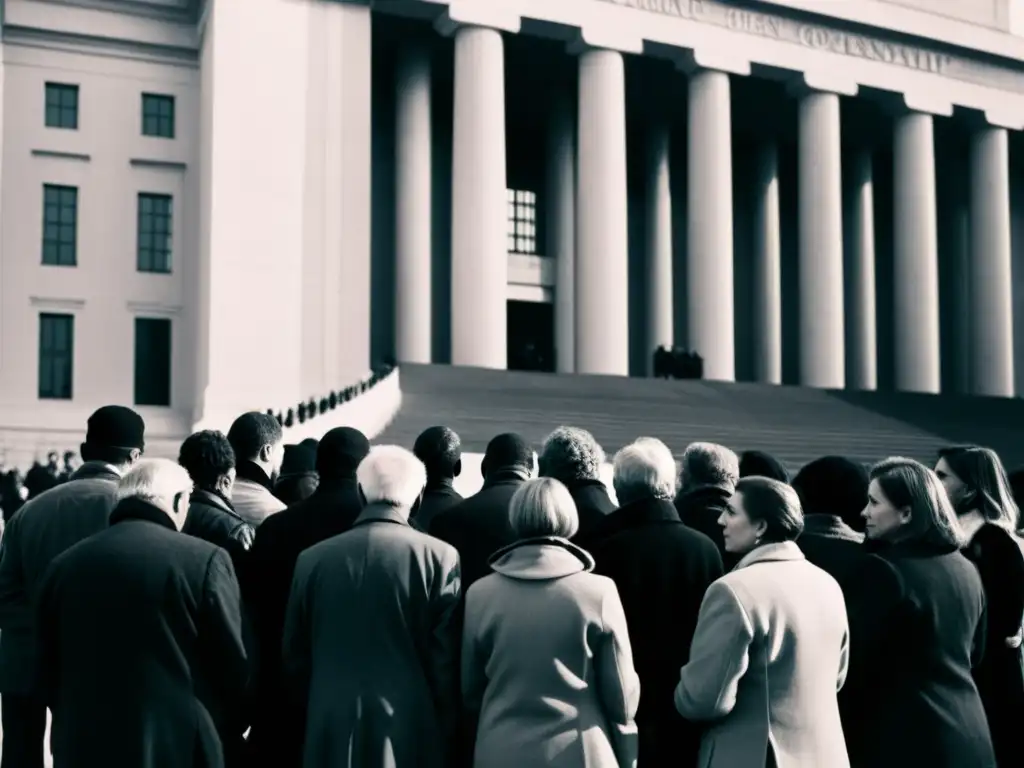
(793, 423)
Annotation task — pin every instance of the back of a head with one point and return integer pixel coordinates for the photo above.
(543, 507)
(644, 469)
(709, 465)
(833, 485)
(982, 471)
(907, 483)
(251, 431)
(762, 464)
(391, 475)
(207, 456)
(299, 459)
(156, 481)
(571, 454)
(440, 450)
(508, 451)
(774, 502)
(340, 452)
(115, 435)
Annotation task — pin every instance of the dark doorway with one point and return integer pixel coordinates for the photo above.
(531, 336)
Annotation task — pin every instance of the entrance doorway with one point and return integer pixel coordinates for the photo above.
(531, 336)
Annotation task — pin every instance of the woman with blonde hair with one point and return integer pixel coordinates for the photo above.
(927, 631)
(547, 671)
(977, 486)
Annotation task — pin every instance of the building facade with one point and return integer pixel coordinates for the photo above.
(208, 206)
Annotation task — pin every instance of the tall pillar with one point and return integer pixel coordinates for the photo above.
(767, 270)
(660, 317)
(991, 326)
(861, 316)
(561, 229)
(602, 274)
(709, 278)
(479, 287)
(413, 244)
(915, 256)
(822, 357)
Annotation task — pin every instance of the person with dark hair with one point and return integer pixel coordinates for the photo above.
(771, 645)
(210, 461)
(440, 450)
(762, 464)
(479, 527)
(258, 442)
(277, 729)
(45, 527)
(298, 478)
(42, 477)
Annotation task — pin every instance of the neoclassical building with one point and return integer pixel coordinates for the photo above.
(216, 205)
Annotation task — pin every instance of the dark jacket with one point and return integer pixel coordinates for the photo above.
(43, 529)
(700, 509)
(479, 527)
(141, 655)
(212, 518)
(662, 569)
(999, 676)
(930, 632)
(438, 496)
(277, 728)
(593, 504)
(296, 487)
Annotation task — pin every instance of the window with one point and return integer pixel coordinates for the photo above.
(152, 361)
(522, 221)
(60, 225)
(154, 233)
(158, 116)
(62, 106)
(56, 356)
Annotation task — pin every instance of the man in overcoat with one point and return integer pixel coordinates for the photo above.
(371, 640)
(141, 656)
(574, 457)
(707, 478)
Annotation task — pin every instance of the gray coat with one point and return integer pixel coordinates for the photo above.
(371, 645)
(43, 529)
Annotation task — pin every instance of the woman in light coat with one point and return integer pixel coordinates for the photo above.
(771, 647)
(547, 671)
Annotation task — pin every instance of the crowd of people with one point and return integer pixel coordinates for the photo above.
(337, 603)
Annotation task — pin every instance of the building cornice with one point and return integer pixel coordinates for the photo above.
(94, 45)
(177, 11)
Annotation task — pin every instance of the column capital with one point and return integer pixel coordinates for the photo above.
(714, 59)
(822, 81)
(600, 35)
(1009, 118)
(929, 102)
(465, 13)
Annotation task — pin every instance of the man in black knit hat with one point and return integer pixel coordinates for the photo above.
(45, 527)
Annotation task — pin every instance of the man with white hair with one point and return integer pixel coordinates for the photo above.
(707, 479)
(140, 640)
(574, 457)
(662, 569)
(371, 640)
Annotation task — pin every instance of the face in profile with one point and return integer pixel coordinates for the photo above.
(956, 489)
(740, 533)
(881, 518)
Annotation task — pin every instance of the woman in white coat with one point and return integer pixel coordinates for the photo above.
(771, 647)
(547, 672)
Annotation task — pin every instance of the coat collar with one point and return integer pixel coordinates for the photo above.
(215, 500)
(635, 514)
(382, 513)
(506, 475)
(253, 472)
(541, 558)
(440, 484)
(831, 527)
(771, 553)
(134, 508)
(702, 494)
(96, 469)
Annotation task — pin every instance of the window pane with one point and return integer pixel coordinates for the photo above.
(152, 361)
(56, 355)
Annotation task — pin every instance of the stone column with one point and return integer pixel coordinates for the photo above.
(479, 215)
(602, 274)
(561, 229)
(709, 279)
(413, 242)
(766, 313)
(991, 326)
(822, 357)
(861, 317)
(658, 246)
(915, 256)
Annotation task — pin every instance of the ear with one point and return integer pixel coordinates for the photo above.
(904, 515)
(224, 484)
(266, 453)
(134, 455)
(761, 527)
(458, 468)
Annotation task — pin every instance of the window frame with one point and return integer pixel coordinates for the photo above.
(165, 125)
(50, 355)
(53, 248)
(63, 110)
(145, 365)
(521, 232)
(148, 248)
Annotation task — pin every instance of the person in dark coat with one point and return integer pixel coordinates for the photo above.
(371, 639)
(479, 526)
(662, 569)
(140, 643)
(42, 529)
(763, 464)
(42, 477)
(707, 478)
(574, 458)
(298, 478)
(440, 450)
(979, 491)
(276, 737)
(925, 708)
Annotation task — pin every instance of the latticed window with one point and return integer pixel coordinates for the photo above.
(62, 106)
(158, 115)
(522, 221)
(60, 225)
(154, 233)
